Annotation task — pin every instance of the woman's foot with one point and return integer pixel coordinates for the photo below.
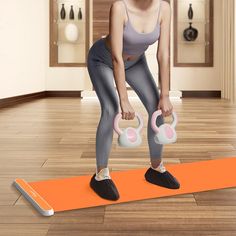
(161, 177)
(103, 185)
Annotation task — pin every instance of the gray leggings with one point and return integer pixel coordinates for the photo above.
(139, 78)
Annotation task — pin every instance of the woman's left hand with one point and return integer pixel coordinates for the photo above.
(165, 105)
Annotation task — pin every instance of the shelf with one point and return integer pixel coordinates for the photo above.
(65, 42)
(76, 21)
(193, 42)
(193, 22)
(202, 1)
(70, 1)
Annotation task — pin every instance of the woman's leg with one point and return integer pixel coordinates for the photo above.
(102, 79)
(141, 80)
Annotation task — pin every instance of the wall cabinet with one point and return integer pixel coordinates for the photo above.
(193, 33)
(69, 32)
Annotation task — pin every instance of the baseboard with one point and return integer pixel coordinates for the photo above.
(11, 101)
(201, 94)
(63, 94)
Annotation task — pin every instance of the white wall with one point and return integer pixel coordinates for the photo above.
(22, 47)
(66, 78)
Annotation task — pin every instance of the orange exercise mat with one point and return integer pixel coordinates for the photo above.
(75, 192)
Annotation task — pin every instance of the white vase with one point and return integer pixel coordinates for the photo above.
(71, 32)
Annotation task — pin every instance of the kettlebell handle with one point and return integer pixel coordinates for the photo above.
(117, 119)
(158, 113)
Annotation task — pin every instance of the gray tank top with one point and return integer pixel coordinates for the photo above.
(136, 43)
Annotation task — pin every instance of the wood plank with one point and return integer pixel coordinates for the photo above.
(26, 214)
(221, 197)
(163, 227)
(24, 229)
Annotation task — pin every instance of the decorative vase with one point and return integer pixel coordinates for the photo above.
(72, 15)
(190, 11)
(190, 34)
(80, 14)
(71, 32)
(63, 12)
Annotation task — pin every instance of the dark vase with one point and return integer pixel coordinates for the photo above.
(190, 12)
(63, 12)
(80, 14)
(72, 15)
(190, 34)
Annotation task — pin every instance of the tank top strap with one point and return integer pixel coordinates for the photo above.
(126, 8)
(159, 9)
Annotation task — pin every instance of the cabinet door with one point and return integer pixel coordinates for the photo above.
(193, 33)
(69, 32)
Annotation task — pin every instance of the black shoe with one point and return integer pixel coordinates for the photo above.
(105, 188)
(165, 179)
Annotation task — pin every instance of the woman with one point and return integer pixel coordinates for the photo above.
(120, 56)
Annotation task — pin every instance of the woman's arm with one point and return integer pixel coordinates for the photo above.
(163, 51)
(116, 21)
(163, 59)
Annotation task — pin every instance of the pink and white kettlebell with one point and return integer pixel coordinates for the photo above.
(129, 137)
(165, 133)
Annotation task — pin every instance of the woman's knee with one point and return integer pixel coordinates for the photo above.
(159, 119)
(152, 107)
(152, 102)
(110, 111)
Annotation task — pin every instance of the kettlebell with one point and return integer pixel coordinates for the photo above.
(129, 137)
(165, 134)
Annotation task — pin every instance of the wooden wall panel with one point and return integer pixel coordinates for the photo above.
(101, 10)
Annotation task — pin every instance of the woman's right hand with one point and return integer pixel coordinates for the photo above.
(128, 112)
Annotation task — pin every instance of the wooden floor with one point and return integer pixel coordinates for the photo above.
(55, 137)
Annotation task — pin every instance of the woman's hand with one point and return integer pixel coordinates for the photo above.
(165, 105)
(128, 112)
